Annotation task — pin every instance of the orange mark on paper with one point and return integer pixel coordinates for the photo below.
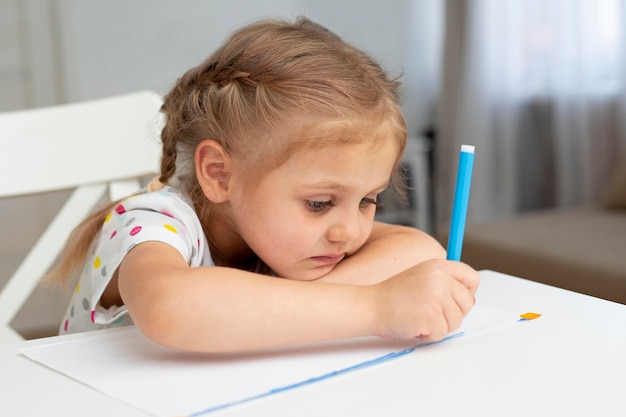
(530, 316)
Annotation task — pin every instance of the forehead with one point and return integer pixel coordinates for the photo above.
(320, 134)
(341, 166)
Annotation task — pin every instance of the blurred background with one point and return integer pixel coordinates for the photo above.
(539, 87)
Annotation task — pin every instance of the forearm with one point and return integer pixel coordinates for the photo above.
(214, 309)
(390, 250)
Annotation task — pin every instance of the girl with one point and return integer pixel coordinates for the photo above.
(260, 229)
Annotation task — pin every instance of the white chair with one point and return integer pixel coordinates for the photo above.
(99, 148)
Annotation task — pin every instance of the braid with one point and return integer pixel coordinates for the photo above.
(168, 159)
(180, 110)
(230, 75)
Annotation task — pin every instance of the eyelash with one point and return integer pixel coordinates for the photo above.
(319, 206)
(322, 206)
(365, 202)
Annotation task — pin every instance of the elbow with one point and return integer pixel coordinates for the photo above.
(158, 323)
(165, 322)
(420, 243)
(172, 325)
(431, 246)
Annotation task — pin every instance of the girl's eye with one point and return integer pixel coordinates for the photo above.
(365, 202)
(319, 206)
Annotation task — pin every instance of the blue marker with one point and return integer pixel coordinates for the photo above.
(461, 199)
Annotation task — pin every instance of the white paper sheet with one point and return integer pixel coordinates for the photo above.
(127, 366)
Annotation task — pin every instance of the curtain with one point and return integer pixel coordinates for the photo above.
(539, 87)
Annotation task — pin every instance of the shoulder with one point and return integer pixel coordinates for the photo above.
(167, 201)
(165, 215)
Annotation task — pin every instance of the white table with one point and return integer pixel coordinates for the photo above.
(569, 362)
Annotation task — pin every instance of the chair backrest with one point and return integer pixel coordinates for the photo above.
(99, 148)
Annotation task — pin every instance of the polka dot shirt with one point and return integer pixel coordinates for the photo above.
(164, 216)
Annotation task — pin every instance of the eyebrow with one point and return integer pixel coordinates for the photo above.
(325, 185)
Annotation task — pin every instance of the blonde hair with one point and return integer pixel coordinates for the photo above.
(269, 76)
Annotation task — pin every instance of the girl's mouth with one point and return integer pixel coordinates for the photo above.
(328, 259)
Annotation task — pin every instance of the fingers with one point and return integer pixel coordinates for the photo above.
(456, 306)
(465, 274)
(438, 328)
(429, 300)
(452, 313)
(463, 298)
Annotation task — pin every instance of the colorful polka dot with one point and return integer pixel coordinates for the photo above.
(120, 209)
(77, 289)
(135, 230)
(93, 316)
(66, 325)
(167, 213)
(170, 228)
(108, 217)
(96, 262)
(113, 234)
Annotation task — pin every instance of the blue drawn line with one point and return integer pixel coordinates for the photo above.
(381, 359)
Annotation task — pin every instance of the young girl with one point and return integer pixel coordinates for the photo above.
(260, 229)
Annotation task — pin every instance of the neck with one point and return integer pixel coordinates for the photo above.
(226, 245)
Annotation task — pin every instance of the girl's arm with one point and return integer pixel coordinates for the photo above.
(213, 309)
(389, 250)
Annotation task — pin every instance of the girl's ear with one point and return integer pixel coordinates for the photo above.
(213, 170)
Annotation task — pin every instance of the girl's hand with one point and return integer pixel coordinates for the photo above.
(428, 300)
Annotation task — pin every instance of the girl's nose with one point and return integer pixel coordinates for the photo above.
(346, 229)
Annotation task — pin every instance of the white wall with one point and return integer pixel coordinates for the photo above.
(115, 46)
(11, 58)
